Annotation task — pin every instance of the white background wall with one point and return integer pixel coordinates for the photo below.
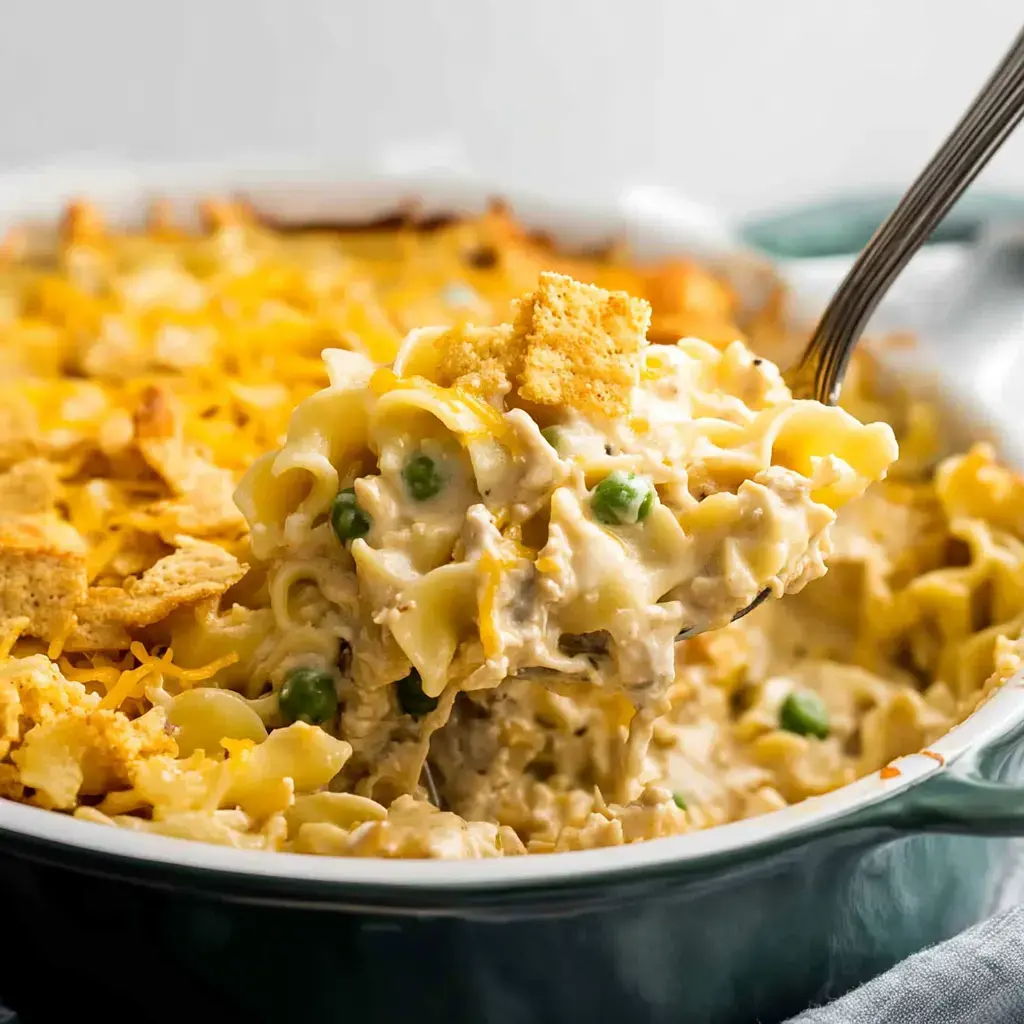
(744, 103)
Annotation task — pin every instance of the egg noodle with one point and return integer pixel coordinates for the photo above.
(467, 549)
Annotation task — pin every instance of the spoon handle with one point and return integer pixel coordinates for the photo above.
(992, 116)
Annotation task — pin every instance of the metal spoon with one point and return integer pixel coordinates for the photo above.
(989, 120)
(430, 785)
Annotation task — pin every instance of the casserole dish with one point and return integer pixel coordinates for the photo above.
(751, 920)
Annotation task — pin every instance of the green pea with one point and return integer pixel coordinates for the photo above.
(423, 477)
(622, 499)
(804, 713)
(553, 436)
(411, 697)
(308, 695)
(679, 800)
(347, 518)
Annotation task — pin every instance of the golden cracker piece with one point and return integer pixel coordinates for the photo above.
(160, 219)
(219, 213)
(157, 416)
(583, 345)
(489, 358)
(196, 571)
(98, 636)
(20, 435)
(10, 783)
(572, 344)
(204, 493)
(42, 573)
(205, 504)
(30, 487)
(82, 222)
(139, 550)
(88, 753)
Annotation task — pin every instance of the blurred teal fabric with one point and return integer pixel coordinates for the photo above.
(975, 978)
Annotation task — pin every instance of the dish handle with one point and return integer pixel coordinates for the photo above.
(981, 793)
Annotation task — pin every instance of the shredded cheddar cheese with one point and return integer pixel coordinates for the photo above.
(492, 571)
(165, 665)
(106, 675)
(127, 686)
(60, 638)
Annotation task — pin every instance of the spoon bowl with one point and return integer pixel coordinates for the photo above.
(995, 112)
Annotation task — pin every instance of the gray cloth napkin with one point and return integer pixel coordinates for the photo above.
(975, 978)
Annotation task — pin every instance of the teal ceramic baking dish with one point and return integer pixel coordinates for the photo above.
(749, 921)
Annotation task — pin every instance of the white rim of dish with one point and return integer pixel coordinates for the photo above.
(658, 222)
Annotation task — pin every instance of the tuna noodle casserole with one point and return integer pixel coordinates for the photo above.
(460, 553)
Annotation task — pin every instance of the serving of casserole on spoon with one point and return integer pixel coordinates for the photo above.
(551, 498)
